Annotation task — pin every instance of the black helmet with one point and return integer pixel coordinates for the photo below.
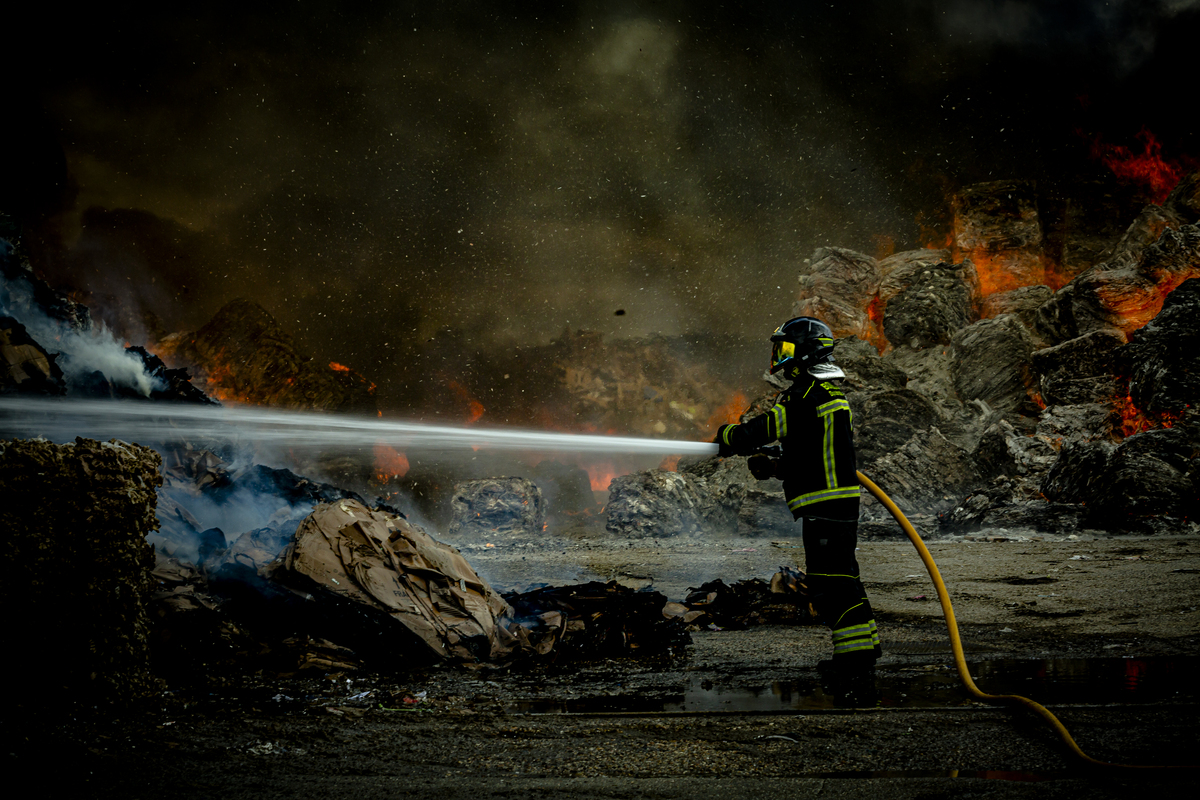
(799, 345)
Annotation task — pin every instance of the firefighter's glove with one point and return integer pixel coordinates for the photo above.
(761, 467)
(723, 450)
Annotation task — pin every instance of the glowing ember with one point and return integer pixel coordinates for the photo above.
(336, 367)
(1148, 168)
(1134, 420)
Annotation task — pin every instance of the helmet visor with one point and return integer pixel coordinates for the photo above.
(781, 352)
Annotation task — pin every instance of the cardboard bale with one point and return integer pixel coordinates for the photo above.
(76, 565)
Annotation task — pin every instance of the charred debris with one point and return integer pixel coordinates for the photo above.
(1037, 375)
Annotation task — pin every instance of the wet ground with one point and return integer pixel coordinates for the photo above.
(1104, 631)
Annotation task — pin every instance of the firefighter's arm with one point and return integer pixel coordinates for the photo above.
(745, 438)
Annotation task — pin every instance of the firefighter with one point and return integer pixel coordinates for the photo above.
(812, 422)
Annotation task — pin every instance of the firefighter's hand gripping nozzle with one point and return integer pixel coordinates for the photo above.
(765, 464)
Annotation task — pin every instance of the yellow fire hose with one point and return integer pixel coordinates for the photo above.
(956, 643)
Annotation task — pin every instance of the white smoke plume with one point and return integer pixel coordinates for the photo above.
(83, 351)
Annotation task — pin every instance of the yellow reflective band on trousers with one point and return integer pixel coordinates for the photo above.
(824, 494)
(854, 638)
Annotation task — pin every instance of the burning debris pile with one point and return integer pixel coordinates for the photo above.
(242, 354)
(985, 396)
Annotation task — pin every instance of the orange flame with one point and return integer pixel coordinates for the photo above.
(600, 476)
(670, 464)
(389, 463)
(336, 367)
(1148, 168)
(994, 277)
(475, 407)
(728, 413)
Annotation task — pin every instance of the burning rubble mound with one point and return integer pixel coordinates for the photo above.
(984, 396)
(243, 354)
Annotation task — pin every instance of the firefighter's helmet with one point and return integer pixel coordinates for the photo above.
(800, 345)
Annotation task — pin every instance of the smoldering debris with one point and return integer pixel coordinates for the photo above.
(594, 621)
(498, 506)
(715, 605)
(204, 498)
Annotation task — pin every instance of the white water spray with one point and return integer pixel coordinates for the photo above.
(142, 422)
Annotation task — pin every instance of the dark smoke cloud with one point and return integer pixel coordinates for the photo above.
(373, 174)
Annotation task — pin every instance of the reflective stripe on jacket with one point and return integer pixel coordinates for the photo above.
(814, 424)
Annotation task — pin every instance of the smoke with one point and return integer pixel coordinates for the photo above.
(1126, 30)
(374, 175)
(83, 351)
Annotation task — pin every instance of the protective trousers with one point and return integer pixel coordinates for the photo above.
(837, 593)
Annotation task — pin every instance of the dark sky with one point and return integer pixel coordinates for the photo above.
(374, 172)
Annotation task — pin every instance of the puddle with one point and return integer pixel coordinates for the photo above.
(1048, 681)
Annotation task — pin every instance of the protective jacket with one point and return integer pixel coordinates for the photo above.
(813, 423)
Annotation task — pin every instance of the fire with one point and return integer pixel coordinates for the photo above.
(475, 408)
(336, 367)
(670, 464)
(1134, 420)
(875, 311)
(1148, 168)
(994, 275)
(389, 463)
(728, 413)
(601, 475)
(218, 381)
(936, 240)
(884, 246)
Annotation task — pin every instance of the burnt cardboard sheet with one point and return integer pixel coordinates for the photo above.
(383, 561)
